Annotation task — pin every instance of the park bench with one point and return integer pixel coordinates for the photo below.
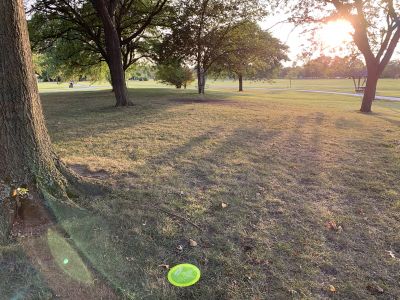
(360, 79)
(360, 89)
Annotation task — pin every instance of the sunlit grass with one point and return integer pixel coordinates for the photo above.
(386, 87)
(285, 163)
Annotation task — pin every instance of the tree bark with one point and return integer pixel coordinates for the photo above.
(201, 81)
(370, 88)
(26, 154)
(240, 83)
(114, 56)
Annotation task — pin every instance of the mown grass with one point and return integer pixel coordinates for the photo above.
(386, 87)
(286, 164)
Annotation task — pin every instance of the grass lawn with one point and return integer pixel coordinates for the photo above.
(386, 87)
(311, 187)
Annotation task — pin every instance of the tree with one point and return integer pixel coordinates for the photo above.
(392, 70)
(376, 34)
(250, 52)
(346, 67)
(97, 30)
(201, 27)
(174, 74)
(26, 153)
(317, 68)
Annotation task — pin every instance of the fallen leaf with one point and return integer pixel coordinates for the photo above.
(224, 205)
(332, 225)
(192, 243)
(164, 266)
(391, 254)
(332, 288)
(374, 289)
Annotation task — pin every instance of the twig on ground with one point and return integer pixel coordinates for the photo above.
(172, 215)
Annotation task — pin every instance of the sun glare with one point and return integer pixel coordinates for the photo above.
(335, 34)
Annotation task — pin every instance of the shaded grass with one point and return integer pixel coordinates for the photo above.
(285, 163)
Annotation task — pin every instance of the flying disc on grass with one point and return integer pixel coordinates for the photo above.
(184, 275)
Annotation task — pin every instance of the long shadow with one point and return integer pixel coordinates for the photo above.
(209, 174)
(19, 278)
(368, 215)
(76, 115)
(271, 230)
(390, 120)
(134, 237)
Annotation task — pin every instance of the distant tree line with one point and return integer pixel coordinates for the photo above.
(336, 67)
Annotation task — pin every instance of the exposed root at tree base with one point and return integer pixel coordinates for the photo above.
(32, 218)
(79, 185)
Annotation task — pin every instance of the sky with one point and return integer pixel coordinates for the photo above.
(286, 32)
(333, 37)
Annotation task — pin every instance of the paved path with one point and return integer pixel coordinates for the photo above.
(318, 92)
(349, 94)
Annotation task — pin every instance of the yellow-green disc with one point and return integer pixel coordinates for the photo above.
(184, 275)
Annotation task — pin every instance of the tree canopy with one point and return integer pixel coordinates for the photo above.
(199, 32)
(83, 33)
(250, 52)
(376, 26)
(174, 73)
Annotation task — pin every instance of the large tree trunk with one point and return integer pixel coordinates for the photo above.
(198, 79)
(370, 88)
(26, 155)
(201, 81)
(114, 56)
(240, 83)
(25, 150)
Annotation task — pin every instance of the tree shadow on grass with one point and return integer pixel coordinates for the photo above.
(126, 242)
(77, 115)
(82, 114)
(395, 122)
(19, 278)
(274, 229)
(281, 187)
(126, 246)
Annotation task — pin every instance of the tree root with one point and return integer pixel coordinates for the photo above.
(79, 185)
(159, 209)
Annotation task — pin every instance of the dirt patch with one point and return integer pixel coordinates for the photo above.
(85, 171)
(31, 216)
(205, 101)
